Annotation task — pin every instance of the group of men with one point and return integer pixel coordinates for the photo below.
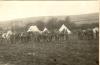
(89, 34)
(35, 34)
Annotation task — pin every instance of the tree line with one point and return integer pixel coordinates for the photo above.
(54, 24)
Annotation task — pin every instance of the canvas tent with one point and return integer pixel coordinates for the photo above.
(63, 27)
(45, 30)
(33, 29)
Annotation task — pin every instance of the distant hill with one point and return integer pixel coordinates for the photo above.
(85, 18)
(77, 19)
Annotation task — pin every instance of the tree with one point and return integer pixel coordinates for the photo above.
(67, 22)
(52, 24)
(40, 24)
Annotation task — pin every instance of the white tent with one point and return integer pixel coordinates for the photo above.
(33, 29)
(63, 27)
(45, 30)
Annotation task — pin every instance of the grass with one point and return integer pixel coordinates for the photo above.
(69, 52)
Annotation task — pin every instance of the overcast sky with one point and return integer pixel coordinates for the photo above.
(21, 9)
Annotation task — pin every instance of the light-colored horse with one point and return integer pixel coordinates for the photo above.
(95, 32)
(7, 35)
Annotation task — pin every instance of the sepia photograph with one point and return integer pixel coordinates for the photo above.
(49, 33)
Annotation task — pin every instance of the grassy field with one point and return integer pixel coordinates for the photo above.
(69, 52)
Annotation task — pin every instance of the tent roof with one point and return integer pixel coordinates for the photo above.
(63, 27)
(45, 30)
(33, 29)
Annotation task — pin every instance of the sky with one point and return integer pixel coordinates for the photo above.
(21, 9)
